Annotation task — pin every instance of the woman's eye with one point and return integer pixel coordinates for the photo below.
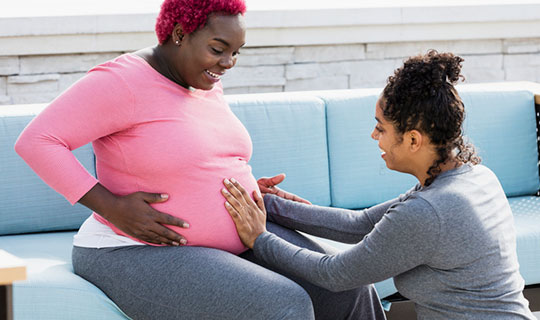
(217, 51)
(236, 53)
(378, 129)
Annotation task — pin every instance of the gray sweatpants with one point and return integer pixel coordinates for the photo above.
(149, 282)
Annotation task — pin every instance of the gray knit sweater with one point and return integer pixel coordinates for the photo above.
(450, 247)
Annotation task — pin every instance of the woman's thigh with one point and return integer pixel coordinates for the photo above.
(360, 303)
(149, 282)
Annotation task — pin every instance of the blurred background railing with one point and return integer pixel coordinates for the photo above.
(294, 45)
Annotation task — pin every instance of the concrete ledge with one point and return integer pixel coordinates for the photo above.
(352, 22)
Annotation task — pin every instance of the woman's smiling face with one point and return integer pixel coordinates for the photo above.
(205, 54)
(393, 150)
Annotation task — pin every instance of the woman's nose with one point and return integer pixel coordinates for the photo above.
(374, 135)
(227, 61)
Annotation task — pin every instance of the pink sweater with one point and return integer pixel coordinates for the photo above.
(149, 134)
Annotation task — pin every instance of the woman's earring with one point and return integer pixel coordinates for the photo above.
(179, 41)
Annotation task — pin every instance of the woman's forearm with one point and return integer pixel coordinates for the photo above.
(396, 244)
(348, 226)
(100, 200)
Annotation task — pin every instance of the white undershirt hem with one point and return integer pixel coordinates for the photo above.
(94, 234)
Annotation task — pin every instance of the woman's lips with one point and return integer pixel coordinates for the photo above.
(214, 77)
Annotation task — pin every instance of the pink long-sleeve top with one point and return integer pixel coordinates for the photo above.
(148, 134)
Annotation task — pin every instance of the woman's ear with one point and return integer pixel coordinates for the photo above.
(415, 139)
(177, 35)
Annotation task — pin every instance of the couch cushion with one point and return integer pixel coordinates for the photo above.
(527, 221)
(359, 177)
(28, 204)
(502, 125)
(52, 291)
(289, 135)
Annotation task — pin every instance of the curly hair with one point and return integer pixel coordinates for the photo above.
(421, 96)
(192, 14)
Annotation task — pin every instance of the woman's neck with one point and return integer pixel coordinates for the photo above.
(449, 164)
(157, 58)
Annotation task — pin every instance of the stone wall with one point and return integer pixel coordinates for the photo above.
(40, 78)
(369, 65)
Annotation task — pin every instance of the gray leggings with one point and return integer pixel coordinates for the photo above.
(149, 282)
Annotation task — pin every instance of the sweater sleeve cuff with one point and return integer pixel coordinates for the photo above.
(82, 188)
(268, 199)
(261, 240)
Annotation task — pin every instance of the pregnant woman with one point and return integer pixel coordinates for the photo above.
(160, 243)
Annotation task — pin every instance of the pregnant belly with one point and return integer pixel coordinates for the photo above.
(210, 225)
(204, 210)
(200, 203)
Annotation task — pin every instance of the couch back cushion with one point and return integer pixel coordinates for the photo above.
(289, 136)
(28, 204)
(321, 140)
(359, 177)
(500, 123)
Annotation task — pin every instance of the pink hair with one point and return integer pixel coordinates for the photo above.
(191, 14)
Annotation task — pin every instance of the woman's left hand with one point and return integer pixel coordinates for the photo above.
(268, 185)
(249, 216)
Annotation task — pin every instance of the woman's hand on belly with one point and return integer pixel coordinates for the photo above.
(133, 215)
(137, 218)
(268, 185)
(249, 216)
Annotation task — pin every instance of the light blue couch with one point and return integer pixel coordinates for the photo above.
(320, 139)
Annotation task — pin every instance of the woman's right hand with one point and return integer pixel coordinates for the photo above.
(133, 215)
(136, 217)
(249, 216)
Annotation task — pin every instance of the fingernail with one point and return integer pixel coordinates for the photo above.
(183, 241)
(174, 243)
(164, 196)
(227, 204)
(186, 225)
(225, 191)
(233, 180)
(227, 181)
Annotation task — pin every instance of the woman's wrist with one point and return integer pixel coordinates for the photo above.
(101, 201)
(259, 238)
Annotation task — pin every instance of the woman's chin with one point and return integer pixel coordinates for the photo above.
(206, 87)
(389, 166)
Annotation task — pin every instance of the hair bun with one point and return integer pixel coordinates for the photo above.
(446, 67)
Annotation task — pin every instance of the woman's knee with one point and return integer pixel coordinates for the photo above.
(294, 304)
